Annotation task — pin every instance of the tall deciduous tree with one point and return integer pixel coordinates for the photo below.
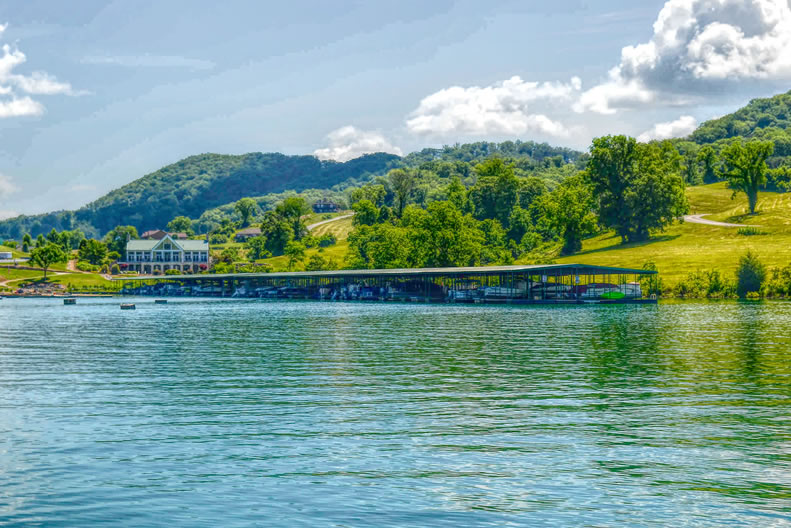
(707, 158)
(568, 212)
(365, 213)
(295, 251)
(27, 241)
(117, 238)
(181, 224)
(638, 186)
(92, 251)
(47, 255)
(292, 209)
(256, 248)
(246, 207)
(496, 192)
(746, 163)
(403, 183)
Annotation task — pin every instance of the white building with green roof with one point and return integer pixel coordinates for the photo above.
(149, 256)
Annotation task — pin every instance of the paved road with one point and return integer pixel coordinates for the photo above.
(311, 227)
(698, 219)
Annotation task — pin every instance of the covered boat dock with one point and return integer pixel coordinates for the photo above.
(524, 284)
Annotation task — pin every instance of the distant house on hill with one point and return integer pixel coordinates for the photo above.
(158, 234)
(152, 255)
(246, 234)
(326, 206)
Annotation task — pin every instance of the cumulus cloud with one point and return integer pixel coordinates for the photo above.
(7, 186)
(698, 44)
(501, 108)
(15, 88)
(349, 142)
(683, 126)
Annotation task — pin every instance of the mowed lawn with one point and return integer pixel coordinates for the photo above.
(688, 247)
(340, 228)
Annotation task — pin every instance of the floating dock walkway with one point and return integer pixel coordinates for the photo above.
(543, 284)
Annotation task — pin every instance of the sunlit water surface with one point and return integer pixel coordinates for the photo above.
(237, 413)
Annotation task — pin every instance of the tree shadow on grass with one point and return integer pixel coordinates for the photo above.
(630, 245)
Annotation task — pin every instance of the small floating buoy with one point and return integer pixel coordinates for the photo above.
(127, 306)
(160, 301)
(70, 301)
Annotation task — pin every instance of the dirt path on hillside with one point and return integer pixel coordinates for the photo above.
(698, 219)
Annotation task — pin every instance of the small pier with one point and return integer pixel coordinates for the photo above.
(547, 284)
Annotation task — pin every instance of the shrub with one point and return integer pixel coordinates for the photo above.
(218, 238)
(327, 240)
(172, 272)
(753, 296)
(750, 275)
(115, 270)
(751, 231)
(84, 265)
(10, 243)
(704, 284)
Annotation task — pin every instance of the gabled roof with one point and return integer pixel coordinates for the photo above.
(255, 231)
(184, 245)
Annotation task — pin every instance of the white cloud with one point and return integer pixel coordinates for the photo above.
(349, 142)
(697, 44)
(37, 83)
(683, 126)
(501, 108)
(20, 106)
(7, 186)
(150, 61)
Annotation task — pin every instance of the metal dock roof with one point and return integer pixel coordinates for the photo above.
(415, 272)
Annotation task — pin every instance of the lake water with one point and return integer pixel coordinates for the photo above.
(241, 413)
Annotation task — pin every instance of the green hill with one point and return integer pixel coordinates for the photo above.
(765, 119)
(200, 183)
(689, 247)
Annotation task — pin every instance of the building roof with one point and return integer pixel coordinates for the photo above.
(562, 269)
(185, 245)
(156, 234)
(254, 231)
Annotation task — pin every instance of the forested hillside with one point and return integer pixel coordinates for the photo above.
(207, 181)
(197, 183)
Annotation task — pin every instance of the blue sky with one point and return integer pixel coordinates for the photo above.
(94, 94)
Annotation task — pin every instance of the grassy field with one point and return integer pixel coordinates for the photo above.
(340, 228)
(684, 248)
(82, 280)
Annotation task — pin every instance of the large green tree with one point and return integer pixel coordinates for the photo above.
(117, 238)
(92, 251)
(295, 251)
(403, 183)
(365, 213)
(47, 255)
(746, 167)
(381, 246)
(496, 192)
(707, 157)
(256, 248)
(637, 185)
(568, 212)
(181, 224)
(246, 207)
(292, 209)
(442, 236)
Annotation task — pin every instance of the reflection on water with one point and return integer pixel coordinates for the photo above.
(212, 413)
